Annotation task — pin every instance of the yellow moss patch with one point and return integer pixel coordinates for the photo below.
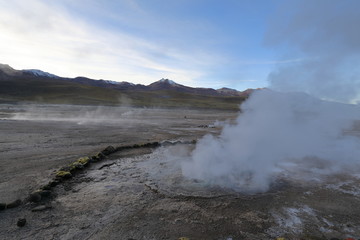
(63, 174)
(83, 160)
(78, 164)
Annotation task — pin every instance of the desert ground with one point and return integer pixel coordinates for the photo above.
(140, 193)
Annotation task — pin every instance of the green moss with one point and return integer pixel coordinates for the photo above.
(63, 174)
(84, 160)
(78, 164)
(97, 157)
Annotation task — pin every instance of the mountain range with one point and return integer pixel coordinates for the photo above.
(38, 86)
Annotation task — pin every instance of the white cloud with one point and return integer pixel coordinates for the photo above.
(43, 34)
(271, 62)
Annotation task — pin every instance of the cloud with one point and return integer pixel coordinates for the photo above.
(272, 62)
(50, 36)
(325, 34)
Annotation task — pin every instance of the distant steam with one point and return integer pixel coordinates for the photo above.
(78, 114)
(294, 134)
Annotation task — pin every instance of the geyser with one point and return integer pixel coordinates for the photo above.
(276, 134)
(293, 133)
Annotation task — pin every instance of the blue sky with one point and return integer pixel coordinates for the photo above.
(207, 43)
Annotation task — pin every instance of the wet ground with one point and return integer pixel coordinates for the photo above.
(141, 193)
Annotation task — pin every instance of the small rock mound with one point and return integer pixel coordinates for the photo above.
(108, 150)
(21, 222)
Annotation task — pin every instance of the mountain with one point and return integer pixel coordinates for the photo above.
(6, 70)
(32, 85)
(166, 84)
(39, 73)
(108, 84)
(228, 91)
(162, 84)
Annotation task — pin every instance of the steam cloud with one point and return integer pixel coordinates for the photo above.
(284, 133)
(276, 131)
(325, 35)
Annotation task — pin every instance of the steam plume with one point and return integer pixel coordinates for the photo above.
(276, 129)
(284, 133)
(325, 35)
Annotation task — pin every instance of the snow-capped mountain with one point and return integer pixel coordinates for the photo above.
(163, 84)
(39, 73)
(168, 81)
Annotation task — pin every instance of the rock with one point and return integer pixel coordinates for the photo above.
(108, 150)
(40, 208)
(84, 161)
(78, 164)
(63, 174)
(35, 197)
(46, 187)
(2, 206)
(151, 145)
(15, 203)
(123, 148)
(21, 222)
(53, 183)
(75, 166)
(45, 193)
(38, 195)
(98, 157)
(65, 169)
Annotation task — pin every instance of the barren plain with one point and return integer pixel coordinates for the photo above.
(141, 193)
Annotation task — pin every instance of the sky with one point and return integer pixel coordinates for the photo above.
(201, 43)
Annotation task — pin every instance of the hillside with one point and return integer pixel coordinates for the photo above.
(42, 87)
